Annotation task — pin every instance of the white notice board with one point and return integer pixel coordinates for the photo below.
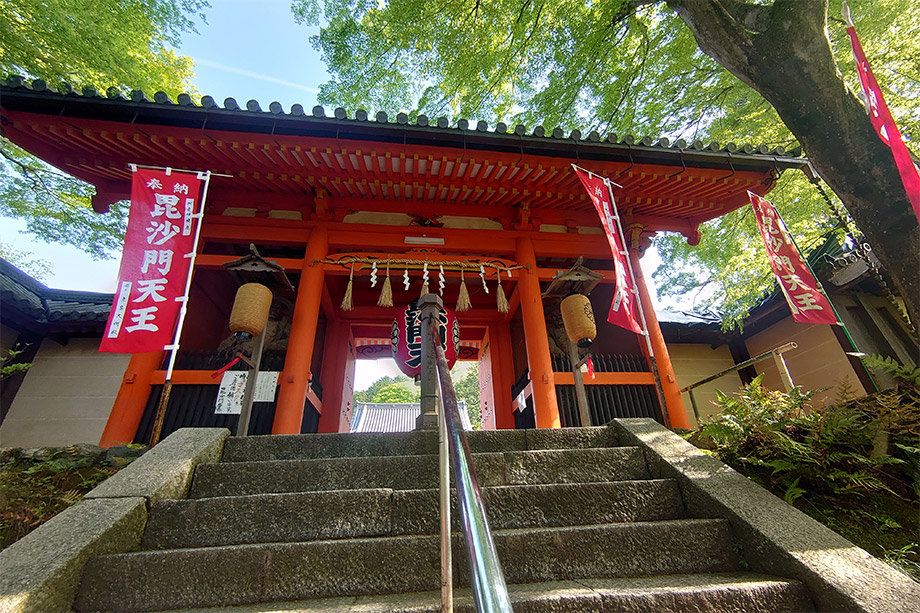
(233, 386)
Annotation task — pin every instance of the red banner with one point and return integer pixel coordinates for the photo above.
(809, 305)
(884, 124)
(154, 266)
(624, 310)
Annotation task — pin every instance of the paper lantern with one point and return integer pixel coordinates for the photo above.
(250, 309)
(578, 317)
(406, 338)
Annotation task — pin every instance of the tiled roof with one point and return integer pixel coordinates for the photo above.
(275, 109)
(384, 417)
(391, 417)
(28, 304)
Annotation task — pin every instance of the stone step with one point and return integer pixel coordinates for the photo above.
(247, 574)
(746, 592)
(313, 446)
(416, 472)
(268, 518)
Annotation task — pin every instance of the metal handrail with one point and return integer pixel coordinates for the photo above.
(488, 581)
(776, 353)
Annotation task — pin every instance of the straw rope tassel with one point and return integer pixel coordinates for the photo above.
(347, 304)
(386, 293)
(463, 300)
(500, 299)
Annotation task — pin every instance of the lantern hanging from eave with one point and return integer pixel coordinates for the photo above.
(406, 338)
(250, 309)
(578, 317)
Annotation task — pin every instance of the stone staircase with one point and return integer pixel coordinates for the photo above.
(344, 522)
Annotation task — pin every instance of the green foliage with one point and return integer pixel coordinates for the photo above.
(601, 66)
(904, 375)
(125, 45)
(396, 392)
(467, 390)
(819, 459)
(794, 449)
(100, 43)
(7, 369)
(34, 492)
(401, 388)
(26, 261)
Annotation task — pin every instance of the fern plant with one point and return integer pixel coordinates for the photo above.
(904, 375)
(780, 441)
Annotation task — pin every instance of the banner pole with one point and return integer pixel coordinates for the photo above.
(174, 347)
(653, 363)
(840, 323)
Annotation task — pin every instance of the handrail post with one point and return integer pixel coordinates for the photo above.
(429, 307)
(696, 409)
(447, 579)
(783, 370)
(776, 353)
(489, 590)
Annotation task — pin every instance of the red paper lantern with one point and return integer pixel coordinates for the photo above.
(406, 338)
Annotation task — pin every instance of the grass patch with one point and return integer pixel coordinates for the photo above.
(33, 492)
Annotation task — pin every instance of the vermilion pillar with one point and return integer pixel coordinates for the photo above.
(538, 358)
(132, 398)
(296, 375)
(335, 356)
(502, 375)
(675, 404)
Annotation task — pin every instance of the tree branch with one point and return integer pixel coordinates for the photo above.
(717, 32)
(628, 8)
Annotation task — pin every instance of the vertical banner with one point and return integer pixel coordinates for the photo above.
(154, 267)
(808, 304)
(624, 310)
(884, 123)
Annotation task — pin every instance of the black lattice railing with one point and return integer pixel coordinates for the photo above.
(613, 362)
(606, 402)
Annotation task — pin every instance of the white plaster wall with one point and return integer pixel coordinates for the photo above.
(693, 362)
(66, 396)
(818, 361)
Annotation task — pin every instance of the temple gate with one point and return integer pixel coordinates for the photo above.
(317, 194)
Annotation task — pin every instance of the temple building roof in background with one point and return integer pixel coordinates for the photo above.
(28, 305)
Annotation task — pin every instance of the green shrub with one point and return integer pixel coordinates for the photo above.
(781, 441)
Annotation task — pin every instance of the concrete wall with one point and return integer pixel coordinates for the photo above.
(818, 362)
(66, 396)
(694, 362)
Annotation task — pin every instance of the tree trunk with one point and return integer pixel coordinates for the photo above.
(783, 52)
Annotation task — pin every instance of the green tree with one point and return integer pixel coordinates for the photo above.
(467, 388)
(396, 392)
(104, 44)
(778, 73)
(26, 261)
(375, 390)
